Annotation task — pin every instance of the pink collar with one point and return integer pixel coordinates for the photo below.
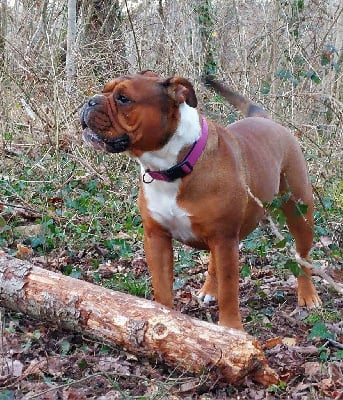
(184, 167)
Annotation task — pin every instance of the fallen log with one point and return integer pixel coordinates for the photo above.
(141, 326)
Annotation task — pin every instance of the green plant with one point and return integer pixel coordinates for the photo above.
(277, 388)
(129, 284)
(257, 242)
(326, 314)
(320, 330)
(7, 394)
(184, 259)
(245, 271)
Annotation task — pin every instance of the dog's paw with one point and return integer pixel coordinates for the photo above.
(208, 292)
(206, 298)
(310, 301)
(307, 294)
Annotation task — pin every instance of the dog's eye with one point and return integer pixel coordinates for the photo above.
(122, 99)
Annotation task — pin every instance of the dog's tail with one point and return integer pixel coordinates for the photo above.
(244, 105)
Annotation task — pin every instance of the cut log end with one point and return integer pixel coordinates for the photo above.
(265, 375)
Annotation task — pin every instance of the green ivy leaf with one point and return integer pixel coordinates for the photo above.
(3, 223)
(265, 87)
(293, 267)
(319, 330)
(37, 241)
(6, 395)
(301, 209)
(284, 74)
(245, 271)
(65, 347)
(313, 76)
(281, 244)
(301, 5)
(83, 364)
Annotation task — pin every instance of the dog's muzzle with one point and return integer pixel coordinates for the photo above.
(93, 111)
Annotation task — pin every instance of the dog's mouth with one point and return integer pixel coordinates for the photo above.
(118, 144)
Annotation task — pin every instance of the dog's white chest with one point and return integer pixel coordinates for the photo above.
(161, 202)
(160, 195)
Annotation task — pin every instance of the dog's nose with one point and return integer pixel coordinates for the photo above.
(94, 101)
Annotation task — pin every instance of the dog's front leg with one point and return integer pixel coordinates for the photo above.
(159, 255)
(226, 263)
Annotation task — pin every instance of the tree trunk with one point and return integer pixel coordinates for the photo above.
(71, 35)
(207, 30)
(141, 326)
(337, 86)
(3, 33)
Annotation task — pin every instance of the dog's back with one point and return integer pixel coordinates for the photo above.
(244, 105)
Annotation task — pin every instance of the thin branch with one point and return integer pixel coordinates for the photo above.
(139, 60)
(316, 271)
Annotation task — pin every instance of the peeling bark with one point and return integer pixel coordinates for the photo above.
(140, 326)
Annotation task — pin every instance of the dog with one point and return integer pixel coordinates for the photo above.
(201, 183)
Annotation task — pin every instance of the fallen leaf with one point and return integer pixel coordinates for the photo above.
(122, 235)
(111, 395)
(106, 364)
(289, 341)
(18, 367)
(188, 386)
(36, 367)
(28, 231)
(73, 394)
(23, 252)
(312, 368)
(270, 343)
(324, 241)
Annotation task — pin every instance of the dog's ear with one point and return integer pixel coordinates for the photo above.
(182, 91)
(109, 86)
(149, 73)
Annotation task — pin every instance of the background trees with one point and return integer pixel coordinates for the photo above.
(286, 54)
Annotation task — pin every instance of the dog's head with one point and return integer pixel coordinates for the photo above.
(135, 112)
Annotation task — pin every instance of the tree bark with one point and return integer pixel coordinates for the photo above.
(337, 86)
(141, 326)
(3, 33)
(70, 56)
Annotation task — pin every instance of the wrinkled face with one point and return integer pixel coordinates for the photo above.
(137, 113)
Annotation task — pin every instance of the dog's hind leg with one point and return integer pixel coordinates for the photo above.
(209, 290)
(298, 210)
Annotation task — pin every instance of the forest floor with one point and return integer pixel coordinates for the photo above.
(39, 361)
(75, 213)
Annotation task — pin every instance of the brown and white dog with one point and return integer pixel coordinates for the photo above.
(201, 183)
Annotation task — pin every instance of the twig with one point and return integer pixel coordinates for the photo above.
(80, 158)
(95, 375)
(336, 344)
(134, 36)
(296, 256)
(65, 385)
(317, 271)
(20, 207)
